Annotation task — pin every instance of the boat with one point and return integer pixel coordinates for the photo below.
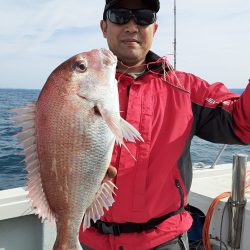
(21, 229)
(230, 223)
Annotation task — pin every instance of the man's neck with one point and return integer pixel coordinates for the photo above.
(140, 67)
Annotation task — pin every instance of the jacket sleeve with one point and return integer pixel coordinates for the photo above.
(241, 116)
(220, 116)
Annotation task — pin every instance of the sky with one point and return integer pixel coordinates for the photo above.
(213, 38)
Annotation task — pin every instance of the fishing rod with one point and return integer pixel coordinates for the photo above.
(175, 34)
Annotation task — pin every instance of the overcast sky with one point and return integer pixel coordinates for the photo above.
(213, 38)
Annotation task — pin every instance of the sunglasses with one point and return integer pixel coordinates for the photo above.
(123, 16)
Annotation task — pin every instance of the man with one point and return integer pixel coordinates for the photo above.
(168, 108)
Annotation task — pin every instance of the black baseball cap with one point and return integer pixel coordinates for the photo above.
(151, 4)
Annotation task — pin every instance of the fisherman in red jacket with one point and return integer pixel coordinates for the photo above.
(168, 107)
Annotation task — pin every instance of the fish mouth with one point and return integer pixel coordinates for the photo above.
(109, 58)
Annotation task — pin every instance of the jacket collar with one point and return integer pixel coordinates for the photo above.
(153, 64)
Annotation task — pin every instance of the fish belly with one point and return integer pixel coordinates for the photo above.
(74, 155)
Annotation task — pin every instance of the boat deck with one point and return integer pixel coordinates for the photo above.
(208, 184)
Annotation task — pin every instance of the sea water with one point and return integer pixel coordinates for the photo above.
(12, 173)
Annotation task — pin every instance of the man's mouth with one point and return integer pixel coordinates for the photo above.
(130, 41)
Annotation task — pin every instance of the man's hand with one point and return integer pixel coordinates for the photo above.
(111, 173)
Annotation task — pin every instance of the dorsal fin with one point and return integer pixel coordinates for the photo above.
(26, 119)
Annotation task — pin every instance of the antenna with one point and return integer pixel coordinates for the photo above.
(175, 34)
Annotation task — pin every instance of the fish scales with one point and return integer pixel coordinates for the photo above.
(74, 125)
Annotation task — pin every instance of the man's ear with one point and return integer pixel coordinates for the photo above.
(155, 27)
(103, 25)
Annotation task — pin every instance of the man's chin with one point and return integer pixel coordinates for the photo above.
(129, 55)
(130, 61)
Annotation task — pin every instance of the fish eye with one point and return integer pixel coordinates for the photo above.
(82, 66)
(79, 66)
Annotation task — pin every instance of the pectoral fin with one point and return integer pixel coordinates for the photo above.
(120, 128)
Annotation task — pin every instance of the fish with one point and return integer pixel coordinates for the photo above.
(68, 136)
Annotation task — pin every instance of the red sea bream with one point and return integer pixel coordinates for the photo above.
(68, 137)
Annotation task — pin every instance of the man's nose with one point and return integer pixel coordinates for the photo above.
(131, 26)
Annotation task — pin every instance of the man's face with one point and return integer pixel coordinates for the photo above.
(130, 42)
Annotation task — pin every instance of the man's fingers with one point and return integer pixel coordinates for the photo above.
(111, 172)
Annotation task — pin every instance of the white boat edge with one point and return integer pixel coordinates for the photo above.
(22, 230)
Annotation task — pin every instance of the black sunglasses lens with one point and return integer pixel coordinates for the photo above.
(118, 16)
(145, 17)
(122, 16)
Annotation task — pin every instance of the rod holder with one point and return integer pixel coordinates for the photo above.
(237, 201)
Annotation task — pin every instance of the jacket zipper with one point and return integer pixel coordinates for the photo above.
(178, 185)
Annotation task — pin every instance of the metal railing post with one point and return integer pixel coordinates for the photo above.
(237, 201)
(218, 156)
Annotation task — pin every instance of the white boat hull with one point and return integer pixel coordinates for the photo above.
(20, 229)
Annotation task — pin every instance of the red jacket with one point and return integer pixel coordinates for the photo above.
(168, 113)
